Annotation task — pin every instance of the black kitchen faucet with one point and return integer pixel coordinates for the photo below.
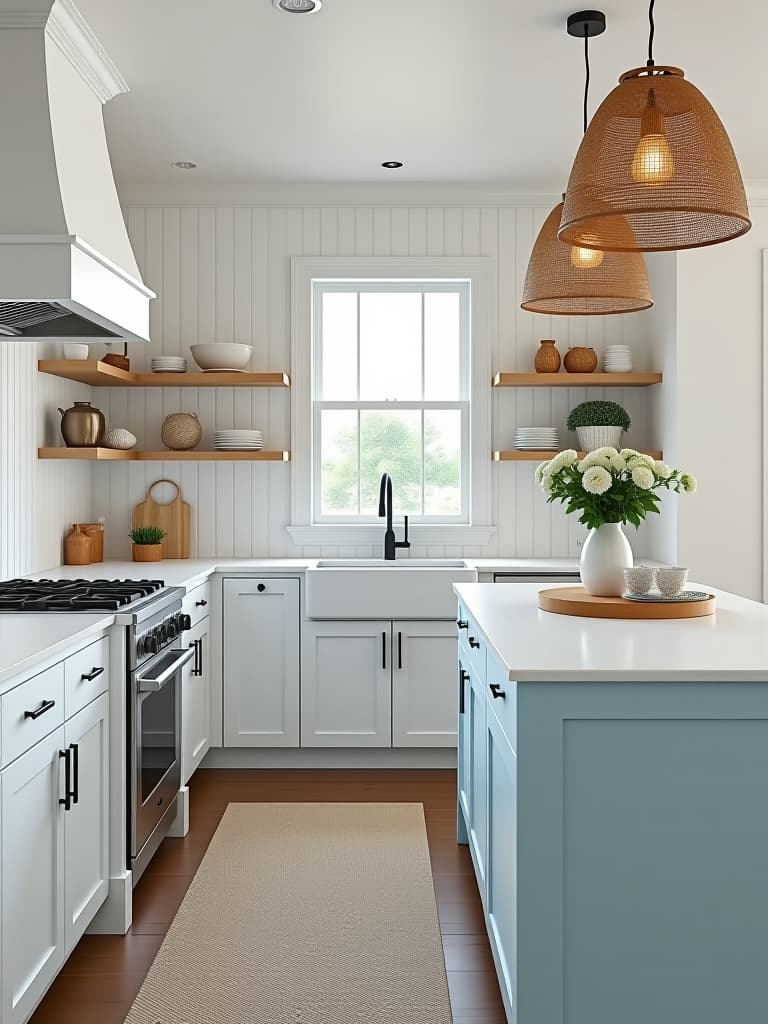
(385, 509)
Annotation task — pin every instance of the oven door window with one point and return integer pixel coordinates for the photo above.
(157, 736)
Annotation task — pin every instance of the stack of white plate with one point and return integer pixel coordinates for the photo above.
(238, 440)
(617, 359)
(536, 439)
(169, 364)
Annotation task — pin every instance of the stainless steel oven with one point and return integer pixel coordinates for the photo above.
(155, 742)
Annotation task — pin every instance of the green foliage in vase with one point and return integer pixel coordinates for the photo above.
(598, 414)
(147, 535)
(610, 486)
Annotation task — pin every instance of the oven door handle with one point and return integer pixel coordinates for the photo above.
(152, 684)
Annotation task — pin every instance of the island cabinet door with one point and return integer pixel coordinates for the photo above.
(501, 875)
(346, 684)
(196, 701)
(261, 663)
(32, 876)
(464, 759)
(424, 695)
(478, 706)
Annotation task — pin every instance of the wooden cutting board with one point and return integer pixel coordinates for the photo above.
(576, 601)
(174, 518)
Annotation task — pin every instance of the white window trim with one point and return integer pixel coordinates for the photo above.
(476, 269)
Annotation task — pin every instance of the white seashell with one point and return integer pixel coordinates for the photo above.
(119, 437)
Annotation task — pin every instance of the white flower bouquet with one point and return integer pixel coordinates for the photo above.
(610, 486)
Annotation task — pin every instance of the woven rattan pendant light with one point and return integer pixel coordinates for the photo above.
(655, 157)
(579, 280)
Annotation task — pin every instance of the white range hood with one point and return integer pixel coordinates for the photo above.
(67, 269)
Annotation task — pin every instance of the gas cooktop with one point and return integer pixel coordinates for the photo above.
(74, 595)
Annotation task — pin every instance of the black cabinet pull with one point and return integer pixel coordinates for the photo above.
(384, 650)
(497, 691)
(463, 678)
(462, 624)
(473, 642)
(75, 772)
(67, 755)
(399, 649)
(196, 665)
(202, 604)
(90, 676)
(45, 706)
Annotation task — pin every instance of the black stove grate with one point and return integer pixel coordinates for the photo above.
(73, 595)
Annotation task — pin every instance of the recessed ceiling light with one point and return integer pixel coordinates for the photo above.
(392, 165)
(298, 6)
(184, 165)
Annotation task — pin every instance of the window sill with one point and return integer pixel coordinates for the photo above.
(451, 535)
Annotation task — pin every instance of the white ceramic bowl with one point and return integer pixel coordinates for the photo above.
(222, 355)
(671, 580)
(640, 579)
(75, 350)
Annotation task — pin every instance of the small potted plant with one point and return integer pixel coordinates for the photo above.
(146, 543)
(598, 424)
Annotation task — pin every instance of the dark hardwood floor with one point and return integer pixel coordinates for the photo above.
(104, 973)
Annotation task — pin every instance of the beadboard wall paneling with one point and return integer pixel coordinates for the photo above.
(38, 500)
(222, 273)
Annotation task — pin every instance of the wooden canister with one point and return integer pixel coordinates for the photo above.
(547, 358)
(77, 546)
(95, 534)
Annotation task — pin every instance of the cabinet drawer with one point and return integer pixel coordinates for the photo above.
(504, 707)
(86, 675)
(42, 696)
(197, 603)
(471, 641)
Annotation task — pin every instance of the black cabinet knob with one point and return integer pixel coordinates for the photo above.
(497, 691)
(200, 604)
(473, 642)
(462, 624)
(261, 588)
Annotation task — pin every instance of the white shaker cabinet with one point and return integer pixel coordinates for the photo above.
(346, 688)
(32, 876)
(86, 823)
(424, 694)
(196, 701)
(261, 662)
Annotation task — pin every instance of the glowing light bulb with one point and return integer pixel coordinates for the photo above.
(652, 163)
(586, 259)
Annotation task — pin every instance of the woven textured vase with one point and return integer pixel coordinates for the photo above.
(655, 171)
(555, 285)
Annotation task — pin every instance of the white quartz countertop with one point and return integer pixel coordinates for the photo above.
(29, 642)
(534, 645)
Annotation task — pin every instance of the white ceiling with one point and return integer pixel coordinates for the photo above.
(460, 90)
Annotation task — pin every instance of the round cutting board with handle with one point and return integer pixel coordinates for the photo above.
(173, 517)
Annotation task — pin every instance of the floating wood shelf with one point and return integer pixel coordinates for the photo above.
(544, 456)
(104, 375)
(115, 455)
(576, 380)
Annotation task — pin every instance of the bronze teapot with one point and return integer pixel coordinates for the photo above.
(82, 426)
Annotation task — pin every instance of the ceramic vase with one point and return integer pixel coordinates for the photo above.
(604, 557)
(580, 360)
(592, 438)
(547, 358)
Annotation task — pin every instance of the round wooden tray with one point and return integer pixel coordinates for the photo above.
(576, 601)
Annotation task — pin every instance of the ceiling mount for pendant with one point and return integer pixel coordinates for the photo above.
(580, 280)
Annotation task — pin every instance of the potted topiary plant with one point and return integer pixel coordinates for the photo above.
(598, 424)
(146, 543)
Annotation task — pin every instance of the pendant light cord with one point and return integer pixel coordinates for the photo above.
(586, 76)
(651, 33)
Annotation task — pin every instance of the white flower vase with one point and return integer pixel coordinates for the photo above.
(604, 557)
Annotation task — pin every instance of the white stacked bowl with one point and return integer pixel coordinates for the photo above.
(543, 439)
(617, 359)
(238, 440)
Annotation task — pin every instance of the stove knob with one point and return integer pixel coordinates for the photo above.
(152, 642)
(140, 652)
(186, 622)
(172, 630)
(162, 633)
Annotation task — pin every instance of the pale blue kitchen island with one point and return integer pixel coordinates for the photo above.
(613, 789)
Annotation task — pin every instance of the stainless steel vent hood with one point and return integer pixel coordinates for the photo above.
(67, 269)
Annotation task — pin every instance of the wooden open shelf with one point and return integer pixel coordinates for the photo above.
(101, 375)
(115, 455)
(544, 456)
(576, 380)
